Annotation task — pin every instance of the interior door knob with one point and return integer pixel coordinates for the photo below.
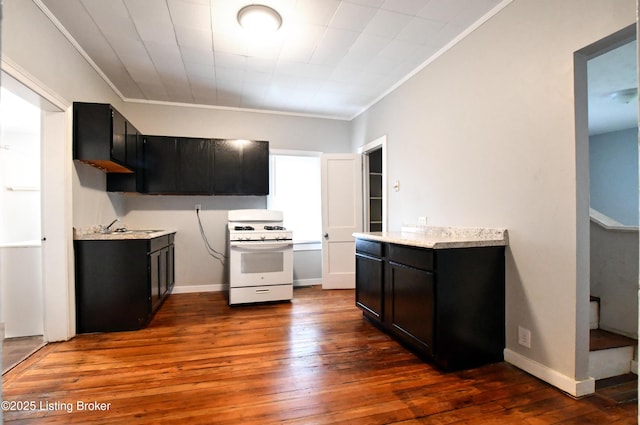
(326, 236)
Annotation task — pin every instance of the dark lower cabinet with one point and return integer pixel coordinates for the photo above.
(447, 305)
(369, 279)
(411, 306)
(161, 269)
(121, 283)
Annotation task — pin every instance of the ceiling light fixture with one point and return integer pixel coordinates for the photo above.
(624, 95)
(259, 18)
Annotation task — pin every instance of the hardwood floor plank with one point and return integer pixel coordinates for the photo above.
(312, 361)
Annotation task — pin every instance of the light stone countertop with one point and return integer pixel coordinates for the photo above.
(90, 234)
(441, 237)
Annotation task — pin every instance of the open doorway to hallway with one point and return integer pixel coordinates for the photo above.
(21, 303)
(607, 167)
(53, 237)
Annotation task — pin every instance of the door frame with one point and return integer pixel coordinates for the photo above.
(583, 251)
(58, 282)
(380, 142)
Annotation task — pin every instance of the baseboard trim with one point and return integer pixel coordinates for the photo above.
(306, 282)
(553, 377)
(190, 289)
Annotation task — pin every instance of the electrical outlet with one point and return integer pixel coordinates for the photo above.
(198, 207)
(524, 337)
(422, 221)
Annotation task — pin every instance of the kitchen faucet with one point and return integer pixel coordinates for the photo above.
(107, 229)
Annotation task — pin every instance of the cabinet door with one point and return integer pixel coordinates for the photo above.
(171, 275)
(132, 147)
(411, 300)
(195, 166)
(119, 134)
(255, 168)
(241, 167)
(160, 166)
(129, 182)
(370, 285)
(227, 167)
(155, 277)
(163, 280)
(92, 131)
(112, 292)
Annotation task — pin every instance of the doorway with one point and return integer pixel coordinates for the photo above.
(55, 235)
(21, 311)
(605, 91)
(375, 185)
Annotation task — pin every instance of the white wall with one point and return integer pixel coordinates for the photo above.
(614, 277)
(485, 136)
(613, 168)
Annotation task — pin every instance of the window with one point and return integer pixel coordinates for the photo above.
(295, 190)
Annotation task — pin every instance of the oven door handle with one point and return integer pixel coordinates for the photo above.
(260, 245)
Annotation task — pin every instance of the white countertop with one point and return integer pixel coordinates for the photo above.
(441, 237)
(90, 235)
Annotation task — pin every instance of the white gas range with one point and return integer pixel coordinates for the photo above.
(260, 257)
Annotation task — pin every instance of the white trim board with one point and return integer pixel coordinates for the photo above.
(551, 376)
(191, 289)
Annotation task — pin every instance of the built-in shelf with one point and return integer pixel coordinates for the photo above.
(375, 190)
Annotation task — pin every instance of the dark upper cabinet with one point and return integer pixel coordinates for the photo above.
(160, 166)
(195, 166)
(164, 165)
(182, 166)
(132, 146)
(241, 167)
(127, 182)
(99, 136)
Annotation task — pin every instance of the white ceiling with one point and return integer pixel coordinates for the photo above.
(330, 58)
(606, 74)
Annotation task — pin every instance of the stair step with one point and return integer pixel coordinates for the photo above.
(609, 354)
(601, 340)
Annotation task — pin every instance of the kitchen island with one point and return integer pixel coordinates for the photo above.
(122, 277)
(438, 290)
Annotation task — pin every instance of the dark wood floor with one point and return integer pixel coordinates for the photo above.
(312, 361)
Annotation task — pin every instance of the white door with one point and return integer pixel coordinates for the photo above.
(341, 216)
